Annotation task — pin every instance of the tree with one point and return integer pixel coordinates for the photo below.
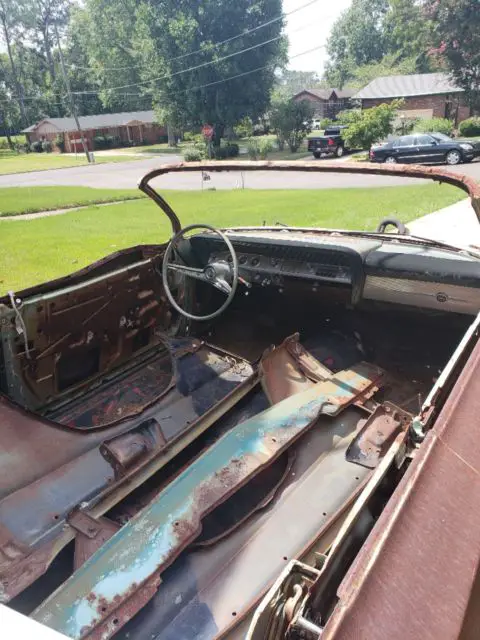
(291, 121)
(169, 31)
(371, 125)
(357, 38)
(11, 14)
(105, 36)
(291, 82)
(384, 37)
(456, 37)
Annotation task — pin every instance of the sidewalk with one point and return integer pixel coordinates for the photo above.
(457, 225)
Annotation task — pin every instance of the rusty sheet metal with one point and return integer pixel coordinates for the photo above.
(419, 568)
(289, 369)
(439, 174)
(377, 434)
(98, 592)
(61, 468)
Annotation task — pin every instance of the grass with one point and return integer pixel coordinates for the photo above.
(17, 200)
(286, 154)
(33, 251)
(19, 139)
(12, 162)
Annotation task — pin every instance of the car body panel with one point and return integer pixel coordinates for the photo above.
(423, 148)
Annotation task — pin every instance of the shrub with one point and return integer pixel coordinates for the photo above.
(348, 116)
(371, 125)
(265, 147)
(325, 123)
(60, 143)
(193, 154)
(232, 150)
(470, 127)
(253, 149)
(406, 126)
(244, 128)
(440, 125)
(220, 153)
(47, 146)
(99, 142)
(36, 146)
(291, 121)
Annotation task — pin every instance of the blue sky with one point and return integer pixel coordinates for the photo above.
(310, 28)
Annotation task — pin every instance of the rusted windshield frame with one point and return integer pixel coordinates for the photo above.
(438, 174)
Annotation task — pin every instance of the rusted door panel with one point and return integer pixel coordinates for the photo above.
(427, 541)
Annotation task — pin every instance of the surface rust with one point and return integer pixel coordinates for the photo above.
(377, 434)
(151, 541)
(439, 174)
(417, 573)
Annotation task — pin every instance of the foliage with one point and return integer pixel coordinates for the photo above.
(47, 146)
(265, 147)
(432, 125)
(193, 154)
(290, 82)
(356, 38)
(36, 147)
(371, 125)
(373, 38)
(60, 143)
(326, 122)
(166, 30)
(456, 37)
(244, 129)
(253, 149)
(230, 150)
(470, 127)
(389, 65)
(291, 121)
(349, 115)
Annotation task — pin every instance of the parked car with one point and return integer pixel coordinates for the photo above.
(426, 148)
(330, 143)
(285, 413)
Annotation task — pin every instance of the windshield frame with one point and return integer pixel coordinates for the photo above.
(437, 174)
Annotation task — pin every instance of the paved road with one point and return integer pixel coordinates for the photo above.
(127, 174)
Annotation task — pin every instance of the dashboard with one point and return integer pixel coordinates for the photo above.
(366, 268)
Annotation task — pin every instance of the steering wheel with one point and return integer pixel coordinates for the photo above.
(222, 275)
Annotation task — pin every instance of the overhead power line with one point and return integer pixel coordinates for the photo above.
(216, 82)
(212, 46)
(167, 76)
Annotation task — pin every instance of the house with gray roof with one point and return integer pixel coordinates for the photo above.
(425, 95)
(327, 103)
(133, 127)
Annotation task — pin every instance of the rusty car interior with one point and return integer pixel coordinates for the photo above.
(198, 437)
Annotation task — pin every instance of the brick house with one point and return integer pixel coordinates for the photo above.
(327, 103)
(426, 95)
(134, 127)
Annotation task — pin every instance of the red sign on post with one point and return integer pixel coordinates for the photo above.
(207, 131)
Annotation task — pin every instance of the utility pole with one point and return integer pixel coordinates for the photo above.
(69, 92)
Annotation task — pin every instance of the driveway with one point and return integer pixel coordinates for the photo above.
(457, 225)
(127, 175)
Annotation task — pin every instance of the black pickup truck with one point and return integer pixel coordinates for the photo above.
(331, 142)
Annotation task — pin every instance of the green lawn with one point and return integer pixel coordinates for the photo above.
(20, 139)
(18, 200)
(12, 162)
(32, 251)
